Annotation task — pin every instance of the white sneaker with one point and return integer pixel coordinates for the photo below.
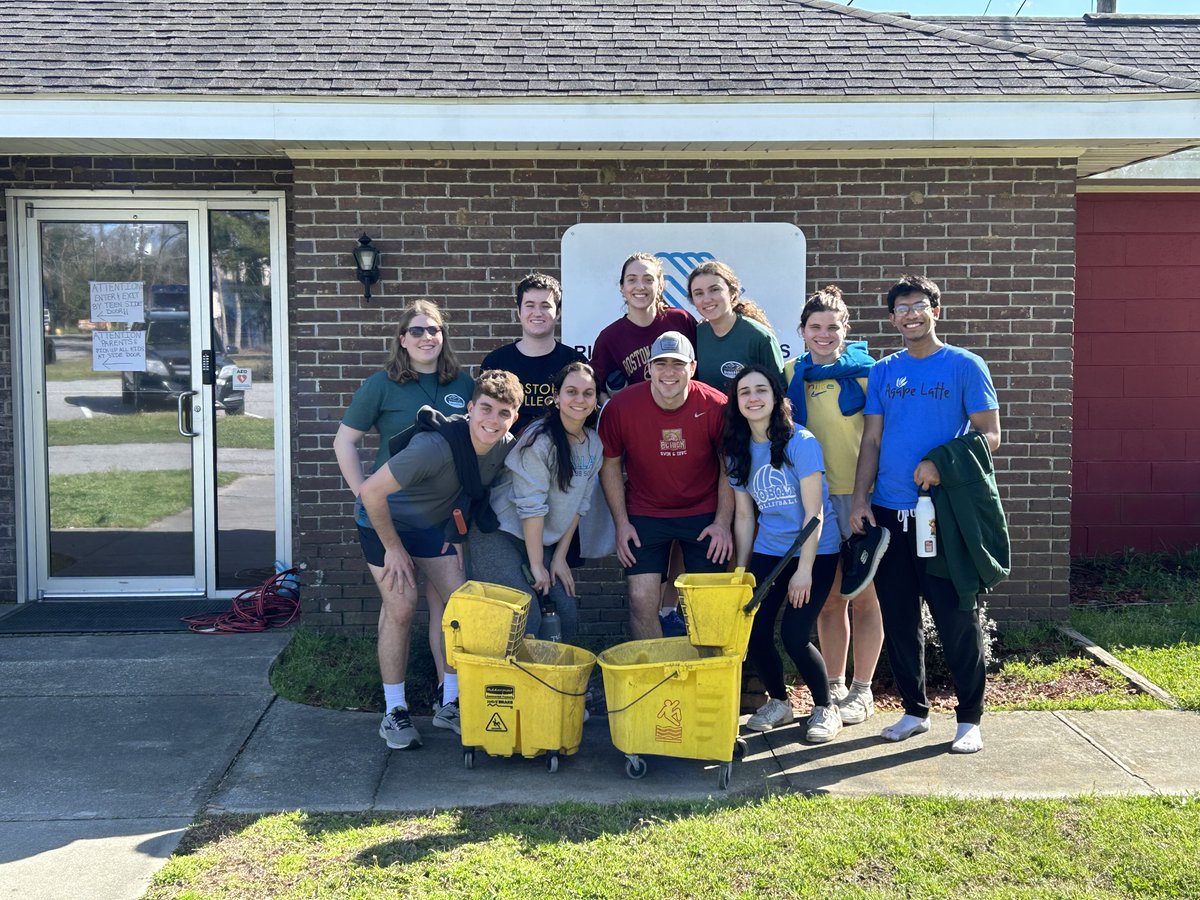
(838, 693)
(823, 724)
(770, 715)
(857, 706)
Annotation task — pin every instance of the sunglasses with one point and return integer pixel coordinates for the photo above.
(416, 331)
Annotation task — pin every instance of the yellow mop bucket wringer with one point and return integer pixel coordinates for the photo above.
(517, 695)
(678, 697)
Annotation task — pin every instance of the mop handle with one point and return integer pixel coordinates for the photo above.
(787, 557)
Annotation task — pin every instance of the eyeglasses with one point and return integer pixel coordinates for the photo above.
(920, 306)
(416, 331)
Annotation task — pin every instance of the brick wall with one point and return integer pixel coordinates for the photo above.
(93, 173)
(1136, 480)
(998, 235)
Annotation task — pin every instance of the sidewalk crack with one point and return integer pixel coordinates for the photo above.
(205, 805)
(1116, 760)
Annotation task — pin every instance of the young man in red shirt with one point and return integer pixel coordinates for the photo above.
(667, 431)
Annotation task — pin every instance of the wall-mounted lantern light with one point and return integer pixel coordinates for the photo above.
(366, 264)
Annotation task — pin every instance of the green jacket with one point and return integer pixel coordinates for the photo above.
(973, 548)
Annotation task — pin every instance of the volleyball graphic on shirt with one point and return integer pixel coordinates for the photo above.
(770, 488)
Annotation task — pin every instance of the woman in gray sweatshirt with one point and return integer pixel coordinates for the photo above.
(553, 470)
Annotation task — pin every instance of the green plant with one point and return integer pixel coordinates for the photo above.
(341, 671)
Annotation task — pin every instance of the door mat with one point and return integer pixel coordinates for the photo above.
(102, 616)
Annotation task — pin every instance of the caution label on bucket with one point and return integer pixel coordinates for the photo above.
(499, 695)
(670, 728)
(495, 723)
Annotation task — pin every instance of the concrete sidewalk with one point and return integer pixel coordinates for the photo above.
(112, 744)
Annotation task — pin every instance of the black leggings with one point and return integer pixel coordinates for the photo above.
(796, 628)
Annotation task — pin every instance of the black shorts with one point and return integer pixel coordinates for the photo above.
(425, 543)
(657, 535)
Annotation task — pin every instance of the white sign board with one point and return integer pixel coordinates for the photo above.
(768, 258)
(118, 301)
(118, 351)
(243, 379)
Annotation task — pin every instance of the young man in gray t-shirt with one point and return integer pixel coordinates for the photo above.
(408, 533)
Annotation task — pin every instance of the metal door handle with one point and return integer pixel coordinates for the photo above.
(184, 400)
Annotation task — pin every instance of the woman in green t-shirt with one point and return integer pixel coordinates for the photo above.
(735, 332)
(421, 370)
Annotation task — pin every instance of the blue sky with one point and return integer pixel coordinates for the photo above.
(1057, 8)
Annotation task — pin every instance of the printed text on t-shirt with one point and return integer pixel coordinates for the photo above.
(938, 391)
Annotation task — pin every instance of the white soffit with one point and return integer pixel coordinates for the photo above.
(1104, 131)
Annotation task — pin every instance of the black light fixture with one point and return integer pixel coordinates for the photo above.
(366, 264)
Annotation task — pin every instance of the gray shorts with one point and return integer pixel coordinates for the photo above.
(841, 508)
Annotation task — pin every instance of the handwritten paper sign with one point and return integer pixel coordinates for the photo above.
(118, 301)
(242, 379)
(118, 351)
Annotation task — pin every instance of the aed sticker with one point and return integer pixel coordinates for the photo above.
(495, 723)
(499, 695)
(242, 380)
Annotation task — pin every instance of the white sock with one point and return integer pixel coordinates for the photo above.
(450, 688)
(840, 681)
(860, 686)
(393, 696)
(905, 728)
(968, 739)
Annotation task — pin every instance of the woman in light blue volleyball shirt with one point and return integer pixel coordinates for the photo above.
(778, 475)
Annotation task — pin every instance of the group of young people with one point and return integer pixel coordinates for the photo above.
(709, 452)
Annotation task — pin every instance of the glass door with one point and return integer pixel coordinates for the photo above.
(119, 401)
(152, 371)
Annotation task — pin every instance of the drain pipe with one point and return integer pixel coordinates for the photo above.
(1106, 7)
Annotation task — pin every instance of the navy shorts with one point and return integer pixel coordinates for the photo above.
(425, 543)
(657, 535)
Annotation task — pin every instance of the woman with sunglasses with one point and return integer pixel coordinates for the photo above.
(421, 370)
(778, 475)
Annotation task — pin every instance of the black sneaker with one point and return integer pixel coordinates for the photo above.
(861, 554)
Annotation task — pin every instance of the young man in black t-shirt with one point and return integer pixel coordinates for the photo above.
(537, 357)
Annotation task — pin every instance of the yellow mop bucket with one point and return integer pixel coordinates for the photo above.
(664, 698)
(528, 703)
(714, 608)
(484, 619)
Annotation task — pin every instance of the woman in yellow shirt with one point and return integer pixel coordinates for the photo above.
(827, 389)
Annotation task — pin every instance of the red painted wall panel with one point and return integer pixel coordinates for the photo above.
(1136, 451)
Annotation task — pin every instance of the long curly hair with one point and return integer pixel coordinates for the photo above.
(399, 366)
(735, 439)
(741, 305)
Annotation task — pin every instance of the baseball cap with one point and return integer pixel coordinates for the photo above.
(672, 345)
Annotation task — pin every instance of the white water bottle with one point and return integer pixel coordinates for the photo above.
(926, 526)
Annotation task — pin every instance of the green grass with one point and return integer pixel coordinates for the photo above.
(121, 499)
(778, 846)
(1170, 577)
(340, 671)
(76, 370)
(243, 432)
(1160, 641)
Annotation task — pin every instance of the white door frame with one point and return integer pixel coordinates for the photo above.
(27, 336)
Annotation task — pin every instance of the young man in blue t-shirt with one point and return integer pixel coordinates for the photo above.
(918, 399)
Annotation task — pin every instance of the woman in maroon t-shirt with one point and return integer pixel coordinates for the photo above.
(622, 349)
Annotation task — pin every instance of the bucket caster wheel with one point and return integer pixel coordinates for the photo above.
(552, 762)
(635, 767)
(469, 758)
(723, 776)
(740, 748)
